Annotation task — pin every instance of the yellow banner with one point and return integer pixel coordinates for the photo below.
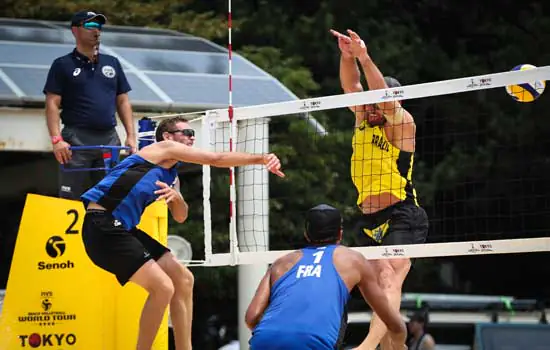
(56, 298)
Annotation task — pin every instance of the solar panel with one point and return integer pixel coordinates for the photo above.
(186, 62)
(5, 90)
(142, 30)
(32, 54)
(258, 91)
(145, 41)
(107, 28)
(140, 91)
(22, 23)
(112, 36)
(194, 70)
(212, 90)
(29, 80)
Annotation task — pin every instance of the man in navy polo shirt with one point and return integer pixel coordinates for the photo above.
(85, 89)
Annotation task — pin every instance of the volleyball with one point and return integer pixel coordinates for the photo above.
(527, 92)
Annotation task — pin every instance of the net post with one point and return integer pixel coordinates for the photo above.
(207, 125)
(253, 214)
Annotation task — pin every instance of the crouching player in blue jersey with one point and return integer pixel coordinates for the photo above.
(301, 301)
(114, 207)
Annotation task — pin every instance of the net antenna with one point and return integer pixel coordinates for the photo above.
(234, 247)
(212, 133)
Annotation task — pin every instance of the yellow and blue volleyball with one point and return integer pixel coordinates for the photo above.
(526, 92)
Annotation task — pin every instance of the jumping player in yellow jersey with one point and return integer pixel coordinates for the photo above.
(381, 170)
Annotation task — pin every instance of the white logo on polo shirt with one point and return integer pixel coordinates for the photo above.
(108, 71)
(76, 72)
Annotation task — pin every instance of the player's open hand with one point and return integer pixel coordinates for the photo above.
(273, 164)
(344, 43)
(357, 45)
(167, 193)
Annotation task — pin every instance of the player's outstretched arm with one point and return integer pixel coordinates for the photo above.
(181, 152)
(260, 302)
(378, 301)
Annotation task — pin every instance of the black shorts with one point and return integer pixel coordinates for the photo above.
(115, 249)
(73, 183)
(401, 223)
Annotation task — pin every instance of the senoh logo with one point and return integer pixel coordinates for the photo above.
(36, 340)
(55, 248)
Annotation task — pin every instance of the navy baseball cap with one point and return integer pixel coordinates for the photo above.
(86, 16)
(323, 223)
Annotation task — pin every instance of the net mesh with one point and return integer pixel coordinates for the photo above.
(480, 168)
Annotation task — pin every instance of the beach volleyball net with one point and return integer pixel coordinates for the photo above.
(479, 169)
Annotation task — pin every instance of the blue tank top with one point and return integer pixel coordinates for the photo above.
(309, 299)
(129, 188)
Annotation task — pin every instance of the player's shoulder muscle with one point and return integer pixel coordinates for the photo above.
(285, 263)
(346, 252)
(156, 152)
(288, 258)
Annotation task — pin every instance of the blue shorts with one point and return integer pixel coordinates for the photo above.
(280, 340)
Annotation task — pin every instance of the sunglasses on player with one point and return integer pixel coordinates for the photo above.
(185, 132)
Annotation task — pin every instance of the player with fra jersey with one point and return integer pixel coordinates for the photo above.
(301, 301)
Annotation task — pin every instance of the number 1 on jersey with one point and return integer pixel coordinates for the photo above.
(318, 256)
(311, 270)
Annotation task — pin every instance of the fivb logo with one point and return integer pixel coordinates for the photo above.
(35, 340)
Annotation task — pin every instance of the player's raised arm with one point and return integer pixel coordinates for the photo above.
(350, 76)
(393, 111)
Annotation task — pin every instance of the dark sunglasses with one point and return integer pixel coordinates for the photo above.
(92, 25)
(184, 132)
